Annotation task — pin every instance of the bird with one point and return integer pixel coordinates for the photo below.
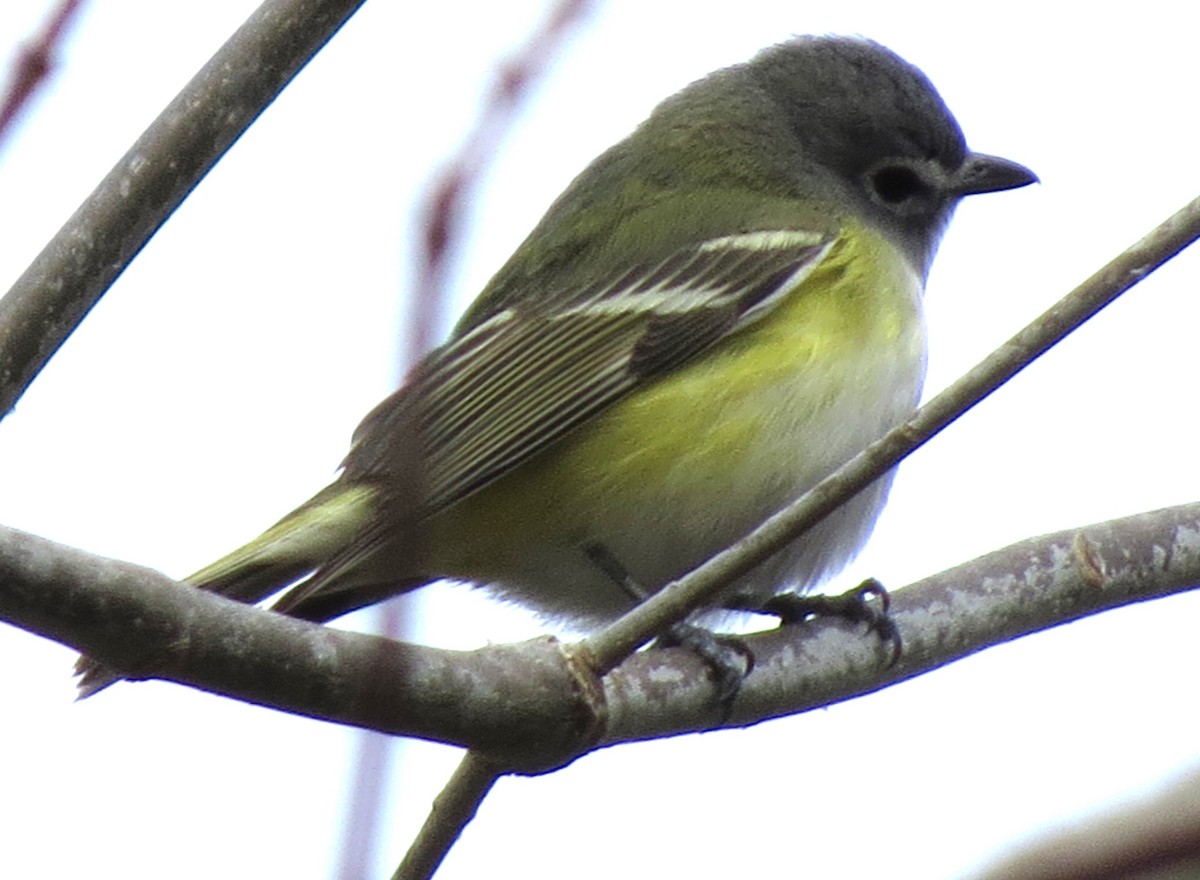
(717, 312)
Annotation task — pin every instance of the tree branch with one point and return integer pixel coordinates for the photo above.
(142, 622)
(533, 707)
(102, 237)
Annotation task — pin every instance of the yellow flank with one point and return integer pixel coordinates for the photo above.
(682, 467)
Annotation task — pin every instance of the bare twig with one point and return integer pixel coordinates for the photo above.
(33, 64)
(445, 205)
(453, 809)
(95, 245)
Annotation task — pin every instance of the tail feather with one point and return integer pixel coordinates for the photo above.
(299, 543)
(294, 547)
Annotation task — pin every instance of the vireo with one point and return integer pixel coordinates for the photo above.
(720, 310)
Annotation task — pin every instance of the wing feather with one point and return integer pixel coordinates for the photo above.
(520, 380)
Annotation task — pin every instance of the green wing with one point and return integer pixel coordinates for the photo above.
(522, 378)
(502, 391)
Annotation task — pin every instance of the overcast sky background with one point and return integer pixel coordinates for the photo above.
(217, 385)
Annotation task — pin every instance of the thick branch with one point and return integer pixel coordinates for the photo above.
(138, 620)
(100, 239)
(532, 706)
(1028, 587)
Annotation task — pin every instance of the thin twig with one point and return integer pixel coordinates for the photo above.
(34, 63)
(445, 206)
(608, 647)
(452, 810)
(103, 236)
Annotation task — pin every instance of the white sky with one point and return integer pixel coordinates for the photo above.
(218, 382)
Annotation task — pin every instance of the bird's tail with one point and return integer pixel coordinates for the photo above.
(288, 551)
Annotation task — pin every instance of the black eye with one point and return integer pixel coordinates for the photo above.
(896, 184)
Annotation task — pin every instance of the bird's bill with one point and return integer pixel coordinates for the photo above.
(982, 173)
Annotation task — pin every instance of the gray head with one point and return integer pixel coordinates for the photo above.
(859, 110)
(836, 128)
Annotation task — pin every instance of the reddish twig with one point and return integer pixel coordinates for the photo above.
(445, 206)
(443, 212)
(33, 63)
